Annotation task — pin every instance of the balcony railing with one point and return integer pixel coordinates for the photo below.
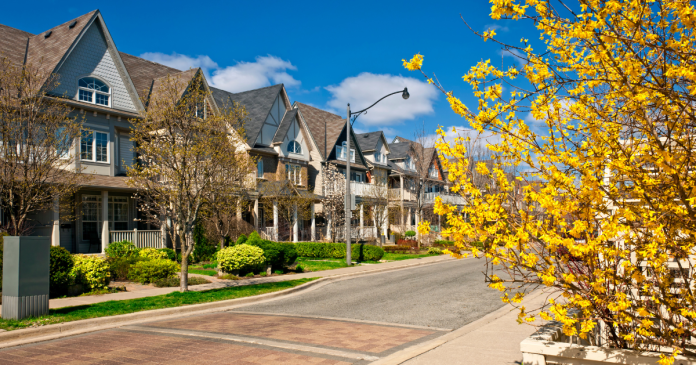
(447, 198)
(140, 239)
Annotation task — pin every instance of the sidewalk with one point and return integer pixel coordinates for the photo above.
(216, 284)
(492, 340)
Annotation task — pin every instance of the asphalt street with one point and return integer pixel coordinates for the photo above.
(446, 295)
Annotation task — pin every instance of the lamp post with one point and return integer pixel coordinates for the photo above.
(349, 122)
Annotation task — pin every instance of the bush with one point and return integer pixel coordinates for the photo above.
(277, 254)
(175, 281)
(154, 254)
(250, 275)
(400, 249)
(240, 257)
(148, 271)
(299, 268)
(443, 243)
(366, 253)
(61, 264)
(121, 249)
(242, 239)
(203, 250)
(120, 267)
(410, 233)
(321, 250)
(91, 271)
(434, 251)
(171, 254)
(278, 272)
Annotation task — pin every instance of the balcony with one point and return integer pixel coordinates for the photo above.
(363, 189)
(447, 198)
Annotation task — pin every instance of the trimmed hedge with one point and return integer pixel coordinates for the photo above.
(121, 249)
(240, 257)
(148, 271)
(278, 254)
(359, 252)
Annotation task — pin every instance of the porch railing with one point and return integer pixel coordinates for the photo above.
(267, 233)
(140, 238)
(447, 198)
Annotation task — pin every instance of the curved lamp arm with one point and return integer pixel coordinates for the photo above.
(404, 94)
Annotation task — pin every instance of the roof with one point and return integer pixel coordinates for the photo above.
(368, 141)
(284, 125)
(259, 148)
(315, 119)
(181, 79)
(47, 52)
(401, 139)
(257, 103)
(143, 72)
(13, 43)
(352, 164)
(102, 181)
(399, 150)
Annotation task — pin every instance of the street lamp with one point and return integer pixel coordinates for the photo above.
(349, 123)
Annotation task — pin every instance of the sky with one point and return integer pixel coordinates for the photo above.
(327, 54)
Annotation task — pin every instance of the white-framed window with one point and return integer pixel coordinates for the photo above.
(118, 213)
(94, 146)
(294, 147)
(408, 163)
(259, 169)
(93, 90)
(294, 173)
(433, 171)
(378, 157)
(341, 152)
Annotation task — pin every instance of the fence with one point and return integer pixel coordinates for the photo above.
(140, 239)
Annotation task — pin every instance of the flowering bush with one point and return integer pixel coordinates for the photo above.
(240, 257)
(92, 271)
(152, 253)
(121, 249)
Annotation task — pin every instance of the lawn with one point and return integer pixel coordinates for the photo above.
(176, 299)
(403, 256)
(202, 272)
(315, 264)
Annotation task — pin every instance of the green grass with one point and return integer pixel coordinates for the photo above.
(315, 264)
(202, 272)
(176, 299)
(403, 256)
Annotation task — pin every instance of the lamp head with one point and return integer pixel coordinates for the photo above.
(405, 94)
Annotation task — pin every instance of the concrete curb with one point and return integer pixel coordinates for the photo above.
(59, 330)
(418, 349)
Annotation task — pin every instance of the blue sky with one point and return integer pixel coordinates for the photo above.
(326, 53)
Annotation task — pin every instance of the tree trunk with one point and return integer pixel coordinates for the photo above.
(183, 286)
(222, 243)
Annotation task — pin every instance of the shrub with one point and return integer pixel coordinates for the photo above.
(277, 254)
(175, 281)
(61, 264)
(410, 233)
(250, 275)
(321, 250)
(171, 254)
(120, 267)
(299, 268)
(203, 250)
(399, 249)
(434, 251)
(147, 271)
(366, 253)
(278, 272)
(263, 273)
(443, 243)
(240, 257)
(229, 277)
(91, 271)
(242, 238)
(121, 249)
(151, 253)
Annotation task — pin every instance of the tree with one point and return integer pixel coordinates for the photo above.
(612, 96)
(37, 158)
(185, 150)
(293, 205)
(376, 198)
(423, 155)
(334, 201)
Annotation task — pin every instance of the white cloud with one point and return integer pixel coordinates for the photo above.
(363, 90)
(264, 71)
(496, 27)
(518, 56)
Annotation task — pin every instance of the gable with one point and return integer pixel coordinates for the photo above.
(93, 57)
(294, 133)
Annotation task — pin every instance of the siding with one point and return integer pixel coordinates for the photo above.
(91, 57)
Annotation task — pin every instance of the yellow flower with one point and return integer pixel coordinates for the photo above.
(415, 63)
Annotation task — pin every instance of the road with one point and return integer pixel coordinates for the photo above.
(352, 321)
(447, 295)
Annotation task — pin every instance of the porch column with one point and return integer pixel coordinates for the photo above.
(401, 191)
(314, 225)
(408, 223)
(105, 218)
(256, 215)
(295, 225)
(386, 222)
(239, 209)
(275, 220)
(55, 236)
(328, 225)
(163, 232)
(362, 233)
(374, 222)
(417, 221)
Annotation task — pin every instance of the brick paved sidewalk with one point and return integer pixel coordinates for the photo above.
(365, 268)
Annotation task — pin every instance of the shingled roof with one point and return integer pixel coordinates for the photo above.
(257, 103)
(399, 150)
(368, 141)
(315, 119)
(143, 72)
(284, 125)
(13, 44)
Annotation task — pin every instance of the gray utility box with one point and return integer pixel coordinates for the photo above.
(25, 276)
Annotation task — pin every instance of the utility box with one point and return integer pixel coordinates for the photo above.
(25, 276)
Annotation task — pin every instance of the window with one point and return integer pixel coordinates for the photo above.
(341, 152)
(95, 91)
(378, 157)
(91, 217)
(357, 176)
(259, 169)
(433, 171)
(294, 147)
(94, 146)
(118, 213)
(294, 173)
(408, 164)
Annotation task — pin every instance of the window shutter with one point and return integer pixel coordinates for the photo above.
(126, 151)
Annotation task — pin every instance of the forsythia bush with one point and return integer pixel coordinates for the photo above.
(152, 253)
(92, 271)
(148, 271)
(602, 121)
(121, 249)
(239, 257)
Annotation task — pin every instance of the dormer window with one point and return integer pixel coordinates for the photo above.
(294, 147)
(341, 152)
(408, 163)
(433, 172)
(95, 91)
